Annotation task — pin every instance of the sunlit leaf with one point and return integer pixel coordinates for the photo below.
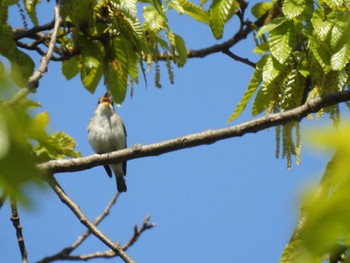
(220, 12)
(260, 9)
(293, 8)
(282, 40)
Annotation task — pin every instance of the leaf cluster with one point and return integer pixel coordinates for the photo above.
(324, 233)
(305, 52)
(24, 142)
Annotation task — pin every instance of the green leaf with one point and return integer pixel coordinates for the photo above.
(262, 48)
(252, 87)
(91, 69)
(340, 28)
(321, 54)
(7, 44)
(262, 100)
(271, 70)
(282, 40)
(30, 6)
(276, 22)
(334, 3)
(91, 72)
(293, 8)
(341, 57)
(191, 9)
(260, 9)
(56, 146)
(220, 12)
(153, 20)
(181, 49)
(322, 26)
(116, 82)
(37, 129)
(22, 67)
(70, 68)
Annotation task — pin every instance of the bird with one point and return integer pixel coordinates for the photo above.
(107, 133)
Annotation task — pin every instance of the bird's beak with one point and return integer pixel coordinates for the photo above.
(106, 99)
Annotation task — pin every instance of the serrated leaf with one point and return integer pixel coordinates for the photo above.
(293, 8)
(252, 87)
(191, 9)
(334, 3)
(321, 25)
(271, 70)
(181, 50)
(340, 28)
(260, 9)
(282, 39)
(272, 25)
(321, 54)
(153, 20)
(30, 6)
(262, 100)
(70, 68)
(220, 12)
(341, 57)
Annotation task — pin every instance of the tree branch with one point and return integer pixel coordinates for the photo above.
(238, 58)
(85, 221)
(19, 33)
(65, 252)
(16, 223)
(109, 253)
(37, 75)
(206, 137)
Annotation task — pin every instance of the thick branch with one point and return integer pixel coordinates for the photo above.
(16, 223)
(85, 221)
(206, 137)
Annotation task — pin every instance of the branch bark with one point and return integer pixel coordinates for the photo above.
(16, 223)
(85, 221)
(197, 139)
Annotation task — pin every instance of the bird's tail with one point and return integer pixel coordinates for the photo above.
(119, 175)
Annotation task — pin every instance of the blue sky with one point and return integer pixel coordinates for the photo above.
(229, 201)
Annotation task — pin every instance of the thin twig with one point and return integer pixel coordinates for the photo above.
(138, 232)
(196, 139)
(65, 252)
(19, 33)
(238, 58)
(109, 253)
(37, 75)
(85, 221)
(16, 223)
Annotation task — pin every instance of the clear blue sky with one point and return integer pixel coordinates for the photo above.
(231, 201)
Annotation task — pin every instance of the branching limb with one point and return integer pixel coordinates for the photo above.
(138, 232)
(65, 252)
(109, 253)
(16, 223)
(206, 137)
(37, 75)
(19, 33)
(85, 221)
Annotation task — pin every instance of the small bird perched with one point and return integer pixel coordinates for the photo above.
(107, 133)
